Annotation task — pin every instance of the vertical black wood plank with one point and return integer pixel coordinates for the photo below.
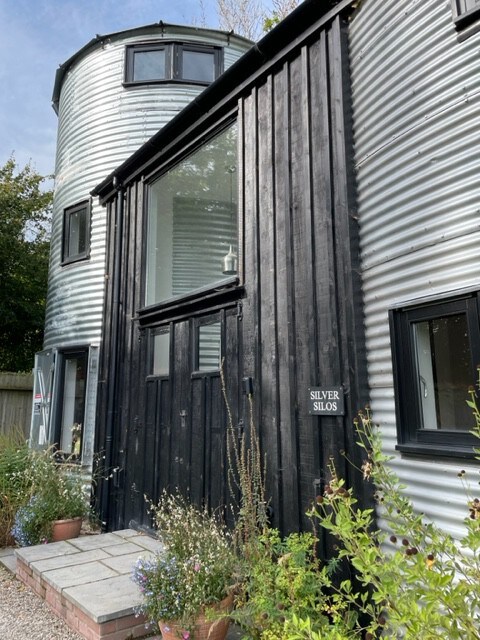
(285, 287)
(330, 429)
(198, 447)
(346, 242)
(268, 297)
(181, 413)
(216, 454)
(303, 295)
(164, 426)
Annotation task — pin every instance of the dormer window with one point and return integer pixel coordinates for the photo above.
(166, 62)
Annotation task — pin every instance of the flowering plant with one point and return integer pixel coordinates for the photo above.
(195, 570)
(56, 493)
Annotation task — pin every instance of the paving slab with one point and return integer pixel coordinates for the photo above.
(9, 561)
(124, 564)
(106, 599)
(148, 543)
(124, 549)
(72, 559)
(43, 551)
(126, 533)
(86, 543)
(72, 576)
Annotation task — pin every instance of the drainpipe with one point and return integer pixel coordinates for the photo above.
(112, 406)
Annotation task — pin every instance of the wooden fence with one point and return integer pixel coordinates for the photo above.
(15, 401)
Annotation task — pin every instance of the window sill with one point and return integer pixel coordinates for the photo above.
(144, 83)
(219, 295)
(435, 450)
(74, 259)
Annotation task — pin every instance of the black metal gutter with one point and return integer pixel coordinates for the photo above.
(270, 50)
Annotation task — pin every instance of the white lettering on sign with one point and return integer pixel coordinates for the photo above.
(326, 401)
(325, 406)
(323, 395)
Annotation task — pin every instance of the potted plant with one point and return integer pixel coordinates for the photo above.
(188, 588)
(57, 503)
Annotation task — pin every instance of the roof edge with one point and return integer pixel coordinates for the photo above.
(295, 28)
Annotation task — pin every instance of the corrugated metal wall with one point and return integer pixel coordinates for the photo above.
(416, 107)
(101, 123)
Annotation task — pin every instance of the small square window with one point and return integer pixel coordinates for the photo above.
(76, 233)
(149, 65)
(198, 66)
(436, 348)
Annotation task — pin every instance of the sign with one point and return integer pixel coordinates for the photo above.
(326, 401)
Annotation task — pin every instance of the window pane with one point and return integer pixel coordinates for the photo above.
(77, 238)
(149, 65)
(209, 347)
(75, 376)
(192, 220)
(444, 372)
(467, 5)
(198, 65)
(161, 354)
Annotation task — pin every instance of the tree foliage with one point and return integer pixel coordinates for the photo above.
(24, 248)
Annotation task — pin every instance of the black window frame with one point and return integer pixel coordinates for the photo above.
(68, 258)
(200, 322)
(166, 330)
(63, 356)
(173, 61)
(411, 438)
(466, 21)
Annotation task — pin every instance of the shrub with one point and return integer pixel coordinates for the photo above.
(36, 491)
(416, 581)
(14, 482)
(196, 569)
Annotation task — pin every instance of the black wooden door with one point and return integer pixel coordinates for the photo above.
(177, 439)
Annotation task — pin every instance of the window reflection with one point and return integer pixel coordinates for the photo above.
(192, 220)
(443, 358)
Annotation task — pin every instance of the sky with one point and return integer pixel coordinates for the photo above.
(36, 36)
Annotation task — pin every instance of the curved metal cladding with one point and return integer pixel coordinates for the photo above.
(416, 109)
(101, 123)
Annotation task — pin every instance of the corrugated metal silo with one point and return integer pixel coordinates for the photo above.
(416, 110)
(103, 118)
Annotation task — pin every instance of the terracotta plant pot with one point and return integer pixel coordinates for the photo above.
(203, 629)
(66, 529)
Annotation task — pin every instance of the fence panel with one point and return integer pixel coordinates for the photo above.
(15, 402)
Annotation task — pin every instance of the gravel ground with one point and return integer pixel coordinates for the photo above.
(24, 616)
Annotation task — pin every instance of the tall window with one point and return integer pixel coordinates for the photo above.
(436, 349)
(73, 387)
(192, 221)
(170, 61)
(76, 233)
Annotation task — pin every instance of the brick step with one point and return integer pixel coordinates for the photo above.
(86, 581)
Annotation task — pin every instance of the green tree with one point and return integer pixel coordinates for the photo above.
(25, 211)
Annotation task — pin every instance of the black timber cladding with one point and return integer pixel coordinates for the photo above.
(294, 320)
